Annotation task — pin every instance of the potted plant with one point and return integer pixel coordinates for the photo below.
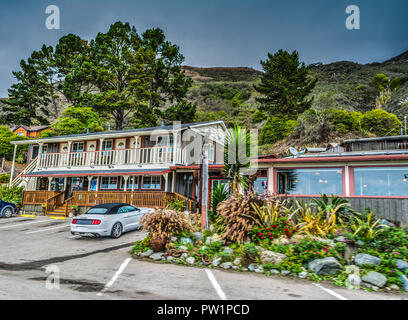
(74, 210)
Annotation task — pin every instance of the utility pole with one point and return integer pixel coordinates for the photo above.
(204, 185)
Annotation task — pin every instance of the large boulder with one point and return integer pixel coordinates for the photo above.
(272, 257)
(216, 262)
(401, 264)
(404, 280)
(375, 278)
(326, 266)
(366, 259)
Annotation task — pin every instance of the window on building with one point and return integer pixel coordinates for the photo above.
(211, 153)
(107, 145)
(151, 182)
(78, 147)
(57, 184)
(130, 182)
(310, 181)
(381, 181)
(260, 185)
(109, 183)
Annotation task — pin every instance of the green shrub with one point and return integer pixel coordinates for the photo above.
(173, 203)
(258, 116)
(5, 178)
(13, 194)
(380, 122)
(275, 129)
(249, 253)
(344, 120)
(219, 194)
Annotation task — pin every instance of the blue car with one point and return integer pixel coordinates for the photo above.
(7, 209)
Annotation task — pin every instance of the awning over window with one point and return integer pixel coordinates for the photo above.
(80, 173)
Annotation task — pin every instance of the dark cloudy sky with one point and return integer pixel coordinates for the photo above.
(216, 32)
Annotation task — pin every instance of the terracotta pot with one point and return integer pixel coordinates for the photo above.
(158, 244)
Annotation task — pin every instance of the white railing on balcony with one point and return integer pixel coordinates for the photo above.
(155, 155)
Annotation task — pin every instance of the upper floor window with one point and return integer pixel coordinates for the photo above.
(78, 147)
(107, 144)
(310, 181)
(381, 181)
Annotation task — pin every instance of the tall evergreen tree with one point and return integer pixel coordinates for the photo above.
(285, 85)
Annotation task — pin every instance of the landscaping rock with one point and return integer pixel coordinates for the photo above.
(401, 264)
(285, 272)
(360, 243)
(340, 239)
(326, 266)
(394, 287)
(184, 256)
(190, 260)
(237, 261)
(216, 262)
(186, 241)
(329, 242)
(272, 257)
(226, 265)
(386, 223)
(298, 237)
(274, 271)
(366, 259)
(173, 239)
(235, 267)
(353, 281)
(259, 269)
(251, 267)
(281, 240)
(303, 275)
(198, 235)
(217, 238)
(170, 258)
(183, 248)
(404, 280)
(375, 278)
(228, 250)
(156, 256)
(147, 254)
(353, 270)
(244, 269)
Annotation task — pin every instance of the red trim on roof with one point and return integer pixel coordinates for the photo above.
(337, 159)
(210, 166)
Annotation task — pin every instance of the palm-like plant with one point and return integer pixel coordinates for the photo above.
(334, 205)
(219, 194)
(238, 150)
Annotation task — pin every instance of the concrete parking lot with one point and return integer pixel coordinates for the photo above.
(101, 268)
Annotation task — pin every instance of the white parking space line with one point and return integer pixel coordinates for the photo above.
(47, 229)
(21, 224)
(215, 284)
(335, 294)
(115, 277)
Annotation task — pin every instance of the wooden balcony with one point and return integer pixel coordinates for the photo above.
(155, 155)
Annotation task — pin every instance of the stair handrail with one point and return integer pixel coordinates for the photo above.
(66, 205)
(29, 168)
(49, 200)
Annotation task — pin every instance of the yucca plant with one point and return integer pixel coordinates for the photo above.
(269, 214)
(315, 222)
(338, 205)
(164, 223)
(219, 194)
(366, 226)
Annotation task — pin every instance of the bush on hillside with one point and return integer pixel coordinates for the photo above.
(380, 122)
(275, 129)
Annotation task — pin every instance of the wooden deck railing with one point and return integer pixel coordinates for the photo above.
(152, 199)
(37, 197)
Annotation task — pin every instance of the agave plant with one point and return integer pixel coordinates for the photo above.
(336, 205)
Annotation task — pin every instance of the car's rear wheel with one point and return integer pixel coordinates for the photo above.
(117, 230)
(7, 212)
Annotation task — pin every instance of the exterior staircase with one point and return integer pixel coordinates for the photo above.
(60, 211)
(19, 180)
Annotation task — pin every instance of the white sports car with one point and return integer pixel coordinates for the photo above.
(109, 219)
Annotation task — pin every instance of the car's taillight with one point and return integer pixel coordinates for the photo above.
(96, 221)
(74, 221)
